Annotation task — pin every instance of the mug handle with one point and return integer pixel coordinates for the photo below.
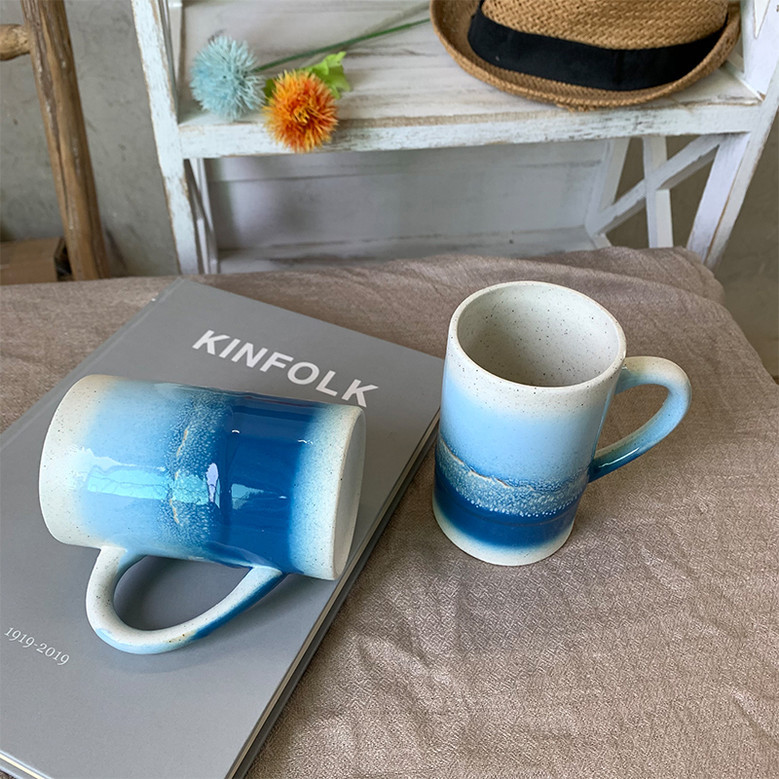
(646, 370)
(112, 563)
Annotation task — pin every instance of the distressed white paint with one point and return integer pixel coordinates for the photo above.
(738, 154)
(408, 94)
(683, 164)
(760, 43)
(761, 13)
(724, 174)
(526, 243)
(604, 191)
(735, 152)
(658, 198)
(205, 221)
(359, 204)
(151, 34)
(205, 136)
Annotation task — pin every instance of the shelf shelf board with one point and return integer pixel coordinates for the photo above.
(516, 244)
(408, 93)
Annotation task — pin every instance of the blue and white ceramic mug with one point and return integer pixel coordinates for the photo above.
(136, 468)
(530, 371)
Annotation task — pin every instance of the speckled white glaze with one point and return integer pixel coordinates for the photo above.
(329, 487)
(530, 371)
(136, 468)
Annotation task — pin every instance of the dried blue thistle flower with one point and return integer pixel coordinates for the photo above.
(223, 81)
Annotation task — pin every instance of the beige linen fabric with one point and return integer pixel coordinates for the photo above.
(648, 646)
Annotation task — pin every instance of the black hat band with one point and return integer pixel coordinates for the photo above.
(579, 64)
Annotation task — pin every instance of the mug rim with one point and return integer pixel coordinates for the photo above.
(604, 375)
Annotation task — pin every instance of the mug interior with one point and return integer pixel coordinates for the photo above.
(539, 334)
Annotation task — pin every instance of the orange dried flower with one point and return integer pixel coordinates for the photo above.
(301, 113)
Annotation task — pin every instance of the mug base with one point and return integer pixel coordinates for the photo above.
(493, 553)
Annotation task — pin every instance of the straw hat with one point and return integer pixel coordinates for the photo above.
(587, 53)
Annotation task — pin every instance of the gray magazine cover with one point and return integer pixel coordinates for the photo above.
(73, 707)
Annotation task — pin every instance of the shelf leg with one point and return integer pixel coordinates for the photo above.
(604, 191)
(659, 221)
(153, 44)
(204, 222)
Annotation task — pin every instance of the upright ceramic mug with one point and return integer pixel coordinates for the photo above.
(137, 468)
(530, 371)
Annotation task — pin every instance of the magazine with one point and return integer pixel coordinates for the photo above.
(72, 706)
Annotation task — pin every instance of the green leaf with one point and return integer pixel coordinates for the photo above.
(331, 71)
(269, 89)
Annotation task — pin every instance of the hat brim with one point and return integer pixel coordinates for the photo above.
(451, 21)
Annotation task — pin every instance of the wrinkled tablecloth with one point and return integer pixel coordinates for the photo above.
(648, 646)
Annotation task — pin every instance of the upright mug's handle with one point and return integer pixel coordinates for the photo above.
(112, 563)
(646, 370)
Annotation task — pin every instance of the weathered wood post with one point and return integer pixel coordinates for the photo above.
(46, 38)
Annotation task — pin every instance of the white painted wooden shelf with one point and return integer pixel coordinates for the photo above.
(408, 95)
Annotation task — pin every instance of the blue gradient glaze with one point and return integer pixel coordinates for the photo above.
(545, 445)
(530, 371)
(637, 371)
(137, 468)
(515, 530)
(256, 500)
(205, 475)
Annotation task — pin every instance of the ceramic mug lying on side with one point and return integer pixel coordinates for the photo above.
(137, 468)
(530, 371)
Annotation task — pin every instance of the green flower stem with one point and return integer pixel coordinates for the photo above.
(336, 46)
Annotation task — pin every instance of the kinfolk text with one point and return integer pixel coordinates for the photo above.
(298, 372)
